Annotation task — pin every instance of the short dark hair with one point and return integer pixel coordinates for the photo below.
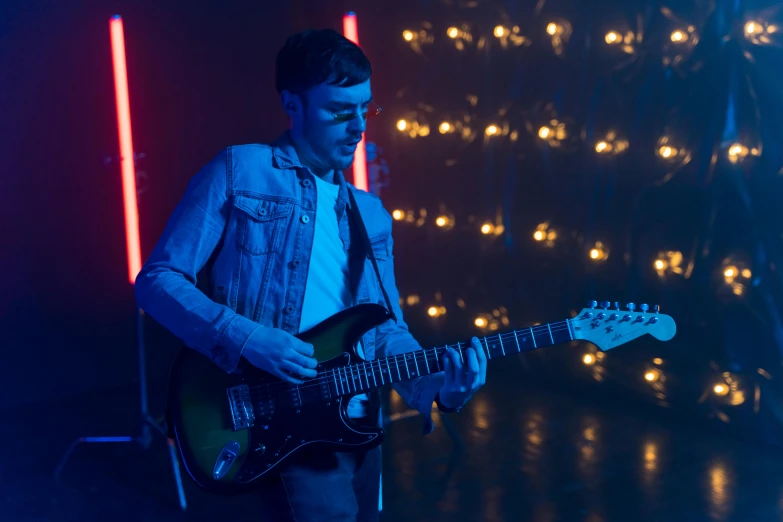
(319, 56)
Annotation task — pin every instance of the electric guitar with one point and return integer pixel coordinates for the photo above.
(232, 429)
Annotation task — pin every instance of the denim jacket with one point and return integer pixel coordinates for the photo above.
(248, 216)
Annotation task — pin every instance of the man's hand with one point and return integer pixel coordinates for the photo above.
(463, 379)
(277, 352)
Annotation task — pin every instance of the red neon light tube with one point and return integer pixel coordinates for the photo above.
(351, 31)
(126, 147)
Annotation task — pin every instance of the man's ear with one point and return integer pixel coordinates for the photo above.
(292, 104)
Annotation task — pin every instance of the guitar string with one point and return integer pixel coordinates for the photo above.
(385, 365)
(354, 371)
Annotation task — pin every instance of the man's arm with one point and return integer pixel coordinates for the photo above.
(392, 339)
(165, 287)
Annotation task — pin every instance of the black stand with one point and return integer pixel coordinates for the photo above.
(147, 422)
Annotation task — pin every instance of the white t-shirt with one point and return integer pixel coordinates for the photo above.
(328, 285)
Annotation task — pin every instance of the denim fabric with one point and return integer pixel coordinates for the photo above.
(321, 487)
(246, 223)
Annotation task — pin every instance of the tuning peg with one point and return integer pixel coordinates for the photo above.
(656, 309)
(616, 305)
(605, 305)
(644, 307)
(592, 304)
(631, 306)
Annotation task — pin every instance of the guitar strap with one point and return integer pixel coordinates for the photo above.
(357, 217)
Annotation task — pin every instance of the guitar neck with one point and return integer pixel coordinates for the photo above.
(369, 375)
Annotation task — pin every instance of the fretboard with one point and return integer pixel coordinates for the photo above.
(369, 375)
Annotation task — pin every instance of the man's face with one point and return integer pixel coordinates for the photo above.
(332, 142)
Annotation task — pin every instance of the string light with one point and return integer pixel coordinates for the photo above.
(611, 144)
(492, 130)
(735, 275)
(398, 215)
(545, 234)
(679, 36)
(407, 35)
(652, 375)
(759, 32)
(612, 38)
(668, 261)
(599, 252)
(436, 311)
(588, 359)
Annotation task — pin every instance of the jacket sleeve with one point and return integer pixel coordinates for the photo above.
(166, 286)
(394, 339)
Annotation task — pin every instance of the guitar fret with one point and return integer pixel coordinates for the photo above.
(519, 349)
(550, 333)
(461, 356)
(388, 367)
(352, 379)
(342, 390)
(380, 370)
(426, 362)
(397, 364)
(365, 374)
(373, 375)
(502, 349)
(405, 360)
(534, 337)
(416, 364)
(489, 354)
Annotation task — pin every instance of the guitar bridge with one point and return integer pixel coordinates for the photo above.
(242, 414)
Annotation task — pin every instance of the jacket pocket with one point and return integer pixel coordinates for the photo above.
(261, 224)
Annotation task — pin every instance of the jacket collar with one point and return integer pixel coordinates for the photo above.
(285, 157)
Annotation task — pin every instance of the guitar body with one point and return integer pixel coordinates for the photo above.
(232, 429)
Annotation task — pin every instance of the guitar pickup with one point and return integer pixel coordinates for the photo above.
(242, 413)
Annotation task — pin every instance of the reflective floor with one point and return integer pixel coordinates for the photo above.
(516, 454)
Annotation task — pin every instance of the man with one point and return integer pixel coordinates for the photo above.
(270, 225)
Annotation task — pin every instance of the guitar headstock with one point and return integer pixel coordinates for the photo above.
(608, 327)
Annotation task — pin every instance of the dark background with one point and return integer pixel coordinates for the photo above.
(202, 77)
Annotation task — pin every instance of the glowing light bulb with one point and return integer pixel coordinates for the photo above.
(487, 228)
(612, 37)
(544, 132)
(660, 264)
(730, 272)
(595, 253)
(492, 130)
(588, 359)
(480, 322)
(500, 31)
(678, 36)
(444, 127)
(402, 125)
(657, 360)
(601, 146)
(539, 235)
(452, 32)
(746, 273)
(398, 215)
(651, 375)
(441, 221)
(407, 35)
(720, 389)
(432, 311)
(666, 151)
(753, 28)
(552, 28)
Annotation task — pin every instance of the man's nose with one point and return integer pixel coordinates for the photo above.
(358, 124)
